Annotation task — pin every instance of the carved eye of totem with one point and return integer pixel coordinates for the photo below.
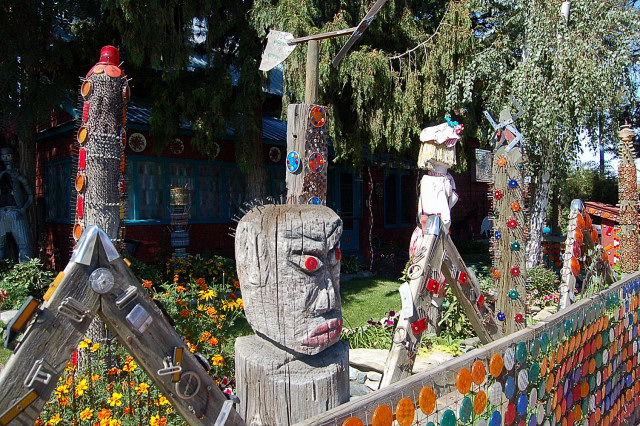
(311, 264)
(338, 254)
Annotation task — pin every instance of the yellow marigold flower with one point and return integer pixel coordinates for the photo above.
(157, 421)
(207, 294)
(193, 348)
(95, 347)
(142, 388)
(105, 413)
(218, 360)
(161, 401)
(61, 390)
(129, 365)
(70, 368)
(214, 341)
(84, 344)
(114, 399)
(240, 302)
(86, 414)
(184, 313)
(54, 420)
(115, 422)
(204, 336)
(81, 387)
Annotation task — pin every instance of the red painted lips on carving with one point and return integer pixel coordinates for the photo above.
(327, 333)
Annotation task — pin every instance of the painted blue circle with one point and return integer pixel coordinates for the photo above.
(315, 201)
(513, 183)
(496, 419)
(293, 162)
(510, 387)
(501, 316)
(533, 420)
(629, 381)
(523, 403)
(498, 235)
(546, 230)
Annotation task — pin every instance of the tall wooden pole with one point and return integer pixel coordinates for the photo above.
(311, 87)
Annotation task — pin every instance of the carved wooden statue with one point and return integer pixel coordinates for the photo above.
(288, 260)
(15, 198)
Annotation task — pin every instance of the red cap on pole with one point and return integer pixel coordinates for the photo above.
(109, 55)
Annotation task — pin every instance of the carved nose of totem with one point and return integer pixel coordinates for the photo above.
(326, 300)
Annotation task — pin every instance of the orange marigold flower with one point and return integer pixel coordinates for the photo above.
(113, 371)
(55, 420)
(184, 313)
(180, 289)
(129, 410)
(236, 284)
(201, 283)
(214, 341)
(105, 413)
(232, 295)
(142, 388)
(64, 401)
(95, 377)
(38, 422)
(211, 311)
(147, 284)
(204, 336)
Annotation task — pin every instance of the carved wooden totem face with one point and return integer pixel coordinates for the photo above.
(288, 260)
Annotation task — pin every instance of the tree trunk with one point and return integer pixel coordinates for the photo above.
(252, 155)
(538, 216)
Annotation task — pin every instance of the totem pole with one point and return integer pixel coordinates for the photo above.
(15, 198)
(295, 366)
(509, 215)
(628, 194)
(100, 183)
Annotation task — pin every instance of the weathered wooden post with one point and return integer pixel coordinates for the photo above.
(295, 366)
(100, 183)
(510, 222)
(628, 194)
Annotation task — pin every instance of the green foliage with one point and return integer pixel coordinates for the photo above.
(351, 265)
(454, 323)
(369, 336)
(542, 289)
(23, 279)
(144, 271)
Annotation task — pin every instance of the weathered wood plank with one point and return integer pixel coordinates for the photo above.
(481, 317)
(51, 337)
(401, 357)
(157, 342)
(296, 136)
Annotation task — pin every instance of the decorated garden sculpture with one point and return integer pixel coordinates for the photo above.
(295, 366)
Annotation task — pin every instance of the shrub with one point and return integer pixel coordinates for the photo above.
(21, 280)
(351, 265)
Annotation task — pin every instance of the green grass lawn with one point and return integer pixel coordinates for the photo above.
(366, 298)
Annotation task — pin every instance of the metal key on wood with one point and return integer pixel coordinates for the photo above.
(97, 281)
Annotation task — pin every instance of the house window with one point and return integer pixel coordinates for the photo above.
(216, 189)
(277, 184)
(57, 191)
(398, 198)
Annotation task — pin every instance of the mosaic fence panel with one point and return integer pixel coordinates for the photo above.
(580, 366)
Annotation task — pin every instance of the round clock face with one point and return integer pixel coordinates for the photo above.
(137, 142)
(101, 280)
(177, 146)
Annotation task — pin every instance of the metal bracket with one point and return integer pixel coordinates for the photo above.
(73, 309)
(37, 375)
(130, 294)
(169, 367)
(226, 410)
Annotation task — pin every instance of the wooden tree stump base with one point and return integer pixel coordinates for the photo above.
(277, 387)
